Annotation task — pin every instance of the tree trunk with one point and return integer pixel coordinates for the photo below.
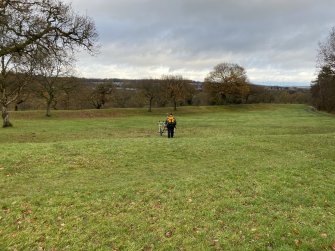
(67, 101)
(48, 109)
(175, 104)
(246, 98)
(17, 104)
(223, 99)
(5, 117)
(150, 104)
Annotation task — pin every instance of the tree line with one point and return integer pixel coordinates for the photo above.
(323, 87)
(66, 93)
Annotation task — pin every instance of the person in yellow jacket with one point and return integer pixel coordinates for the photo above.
(170, 123)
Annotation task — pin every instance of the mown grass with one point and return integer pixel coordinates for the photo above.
(249, 177)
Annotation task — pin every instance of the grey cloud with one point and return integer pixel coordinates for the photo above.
(192, 34)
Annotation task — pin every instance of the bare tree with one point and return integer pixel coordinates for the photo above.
(68, 86)
(101, 94)
(27, 26)
(13, 78)
(150, 89)
(327, 51)
(48, 71)
(175, 88)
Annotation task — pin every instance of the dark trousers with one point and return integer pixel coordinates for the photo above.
(170, 131)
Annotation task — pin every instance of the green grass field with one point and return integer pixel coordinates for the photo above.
(247, 177)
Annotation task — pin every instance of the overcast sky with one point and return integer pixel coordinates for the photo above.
(276, 41)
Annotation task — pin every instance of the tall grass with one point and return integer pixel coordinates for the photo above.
(249, 177)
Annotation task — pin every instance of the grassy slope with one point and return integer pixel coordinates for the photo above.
(234, 178)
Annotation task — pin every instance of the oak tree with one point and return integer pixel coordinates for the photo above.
(48, 26)
(227, 80)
